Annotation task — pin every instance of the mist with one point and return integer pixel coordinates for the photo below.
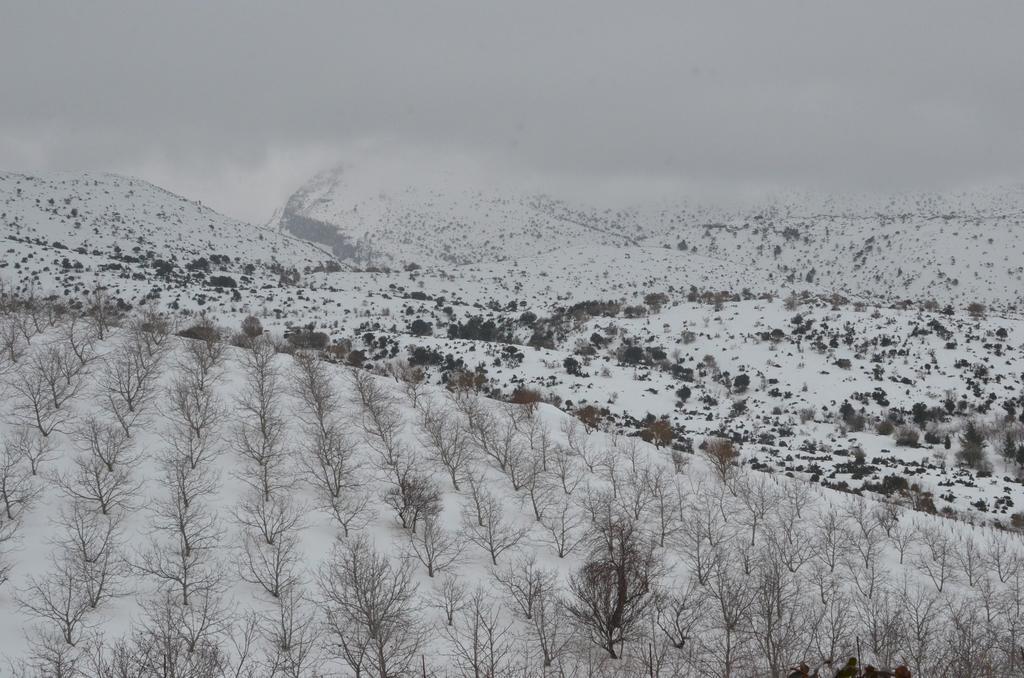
(237, 103)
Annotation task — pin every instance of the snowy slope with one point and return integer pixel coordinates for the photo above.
(727, 536)
(715, 303)
(428, 225)
(848, 411)
(954, 249)
(77, 231)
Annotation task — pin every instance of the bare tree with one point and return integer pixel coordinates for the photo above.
(333, 468)
(18, 487)
(8, 532)
(292, 636)
(903, 536)
(680, 612)
(351, 510)
(538, 485)
(537, 599)
(664, 502)
(91, 480)
(563, 527)
(577, 438)
(101, 312)
(523, 582)
(758, 498)
(970, 559)
(490, 529)
(833, 628)
(656, 655)
(12, 343)
(194, 414)
(880, 625)
(186, 573)
(702, 534)
(57, 598)
(450, 597)
(28, 320)
(241, 637)
(888, 515)
(611, 469)
(330, 463)
(721, 453)
(49, 656)
(181, 556)
(125, 387)
(727, 649)
(273, 567)
(413, 380)
(34, 402)
(56, 366)
(270, 547)
(921, 619)
(565, 469)
(260, 435)
(447, 440)
(598, 502)
(381, 419)
(328, 455)
(371, 610)
(481, 640)
(780, 625)
(434, 547)
(105, 442)
(176, 642)
(496, 437)
(151, 332)
(939, 559)
(80, 339)
(204, 356)
(536, 434)
(610, 594)
(787, 535)
(313, 386)
(269, 520)
(1003, 556)
(477, 494)
(203, 620)
(91, 546)
(829, 538)
(865, 535)
(413, 495)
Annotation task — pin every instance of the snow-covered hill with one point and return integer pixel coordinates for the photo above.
(76, 231)
(241, 510)
(953, 249)
(806, 406)
(430, 226)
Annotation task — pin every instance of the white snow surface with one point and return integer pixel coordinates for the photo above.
(737, 300)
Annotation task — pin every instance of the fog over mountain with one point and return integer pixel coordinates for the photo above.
(237, 103)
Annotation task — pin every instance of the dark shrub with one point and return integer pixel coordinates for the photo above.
(421, 328)
(907, 436)
(201, 331)
(223, 281)
(309, 339)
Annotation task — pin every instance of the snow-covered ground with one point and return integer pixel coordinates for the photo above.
(956, 248)
(832, 350)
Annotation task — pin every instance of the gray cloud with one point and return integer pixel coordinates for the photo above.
(235, 102)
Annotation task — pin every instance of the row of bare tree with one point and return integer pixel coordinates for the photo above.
(515, 548)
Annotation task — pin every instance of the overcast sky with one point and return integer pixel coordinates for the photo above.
(237, 102)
